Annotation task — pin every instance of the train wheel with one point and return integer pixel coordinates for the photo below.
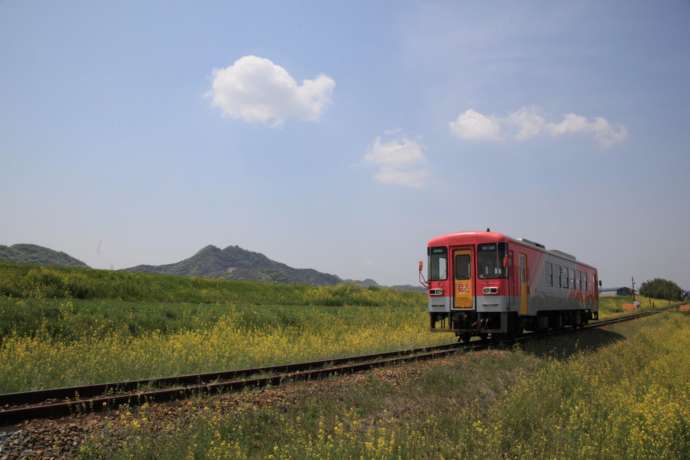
(579, 321)
(464, 338)
(483, 336)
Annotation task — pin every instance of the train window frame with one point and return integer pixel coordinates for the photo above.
(549, 274)
(560, 275)
(468, 264)
(566, 272)
(501, 251)
(436, 255)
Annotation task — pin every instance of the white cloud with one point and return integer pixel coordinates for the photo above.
(256, 90)
(400, 161)
(476, 126)
(605, 134)
(527, 123)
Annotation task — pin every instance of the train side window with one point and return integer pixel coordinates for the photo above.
(549, 274)
(576, 275)
(566, 275)
(586, 278)
(559, 269)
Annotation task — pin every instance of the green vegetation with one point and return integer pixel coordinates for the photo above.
(627, 399)
(26, 281)
(75, 319)
(614, 305)
(71, 326)
(661, 289)
(242, 336)
(34, 254)
(68, 326)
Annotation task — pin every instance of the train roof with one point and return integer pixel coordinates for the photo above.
(479, 237)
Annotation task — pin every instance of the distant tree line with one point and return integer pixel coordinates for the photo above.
(660, 288)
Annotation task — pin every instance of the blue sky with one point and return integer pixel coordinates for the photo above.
(343, 136)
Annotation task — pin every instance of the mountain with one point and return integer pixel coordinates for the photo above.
(365, 283)
(34, 254)
(236, 263)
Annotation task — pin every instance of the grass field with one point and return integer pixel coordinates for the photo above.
(71, 326)
(32, 282)
(614, 305)
(76, 326)
(627, 398)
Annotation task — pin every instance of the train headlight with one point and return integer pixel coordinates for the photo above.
(436, 291)
(490, 290)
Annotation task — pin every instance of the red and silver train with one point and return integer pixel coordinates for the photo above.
(482, 283)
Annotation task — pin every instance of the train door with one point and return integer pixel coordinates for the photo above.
(524, 284)
(463, 288)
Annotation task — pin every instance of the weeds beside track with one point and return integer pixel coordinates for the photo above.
(17, 407)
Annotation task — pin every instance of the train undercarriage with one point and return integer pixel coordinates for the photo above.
(506, 325)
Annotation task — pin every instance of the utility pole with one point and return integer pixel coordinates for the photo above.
(633, 288)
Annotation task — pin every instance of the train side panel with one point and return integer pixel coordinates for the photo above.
(557, 283)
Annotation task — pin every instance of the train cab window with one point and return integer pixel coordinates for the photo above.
(438, 264)
(490, 258)
(463, 269)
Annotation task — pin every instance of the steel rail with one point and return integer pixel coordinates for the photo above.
(59, 402)
(61, 408)
(83, 391)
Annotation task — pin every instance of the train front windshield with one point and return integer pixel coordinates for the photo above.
(490, 260)
(438, 264)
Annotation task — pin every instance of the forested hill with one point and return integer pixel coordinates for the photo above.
(34, 254)
(236, 263)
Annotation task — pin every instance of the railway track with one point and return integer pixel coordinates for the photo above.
(60, 402)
